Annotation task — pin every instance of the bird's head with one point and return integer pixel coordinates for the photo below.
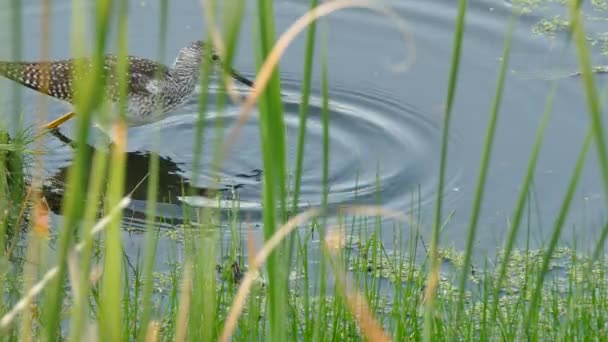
(196, 52)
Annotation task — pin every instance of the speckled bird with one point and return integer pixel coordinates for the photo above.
(154, 89)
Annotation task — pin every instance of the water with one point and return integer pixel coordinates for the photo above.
(385, 126)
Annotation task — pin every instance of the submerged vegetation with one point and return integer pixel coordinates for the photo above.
(313, 277)
(594, 11)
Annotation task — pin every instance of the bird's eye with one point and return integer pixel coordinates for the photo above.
(215, 57)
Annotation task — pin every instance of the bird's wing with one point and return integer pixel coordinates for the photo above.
(50, 78)
(145, 76)
(55, 78)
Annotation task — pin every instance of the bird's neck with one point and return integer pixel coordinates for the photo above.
(187, 65)
(186, 74)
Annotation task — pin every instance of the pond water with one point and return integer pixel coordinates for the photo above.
(385, 126)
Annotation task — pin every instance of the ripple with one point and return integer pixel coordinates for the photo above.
(381, 150)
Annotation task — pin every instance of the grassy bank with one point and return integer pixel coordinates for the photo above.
(391, 282)
(313, 278)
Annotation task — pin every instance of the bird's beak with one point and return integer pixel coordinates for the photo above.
(241, 78)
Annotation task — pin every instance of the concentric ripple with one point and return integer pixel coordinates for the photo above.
(381, 150)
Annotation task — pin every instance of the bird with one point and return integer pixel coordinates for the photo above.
(153, 89)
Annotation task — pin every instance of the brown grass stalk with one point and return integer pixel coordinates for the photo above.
(23, 303)
(356, 302)
(184, 304)
(220, 48)
(267, 69)
(241, 296)
(366, 320)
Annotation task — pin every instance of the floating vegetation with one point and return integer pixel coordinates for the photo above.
(602, 43)
(551, 27)
(528, 6)
(394, 285)
(600, 5)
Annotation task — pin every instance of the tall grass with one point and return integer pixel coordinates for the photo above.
(485, 163)
(272, 135)
(151, 240)
(347, 286)
(434, 255)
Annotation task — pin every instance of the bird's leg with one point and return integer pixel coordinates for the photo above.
(61, 137)
(59, 121)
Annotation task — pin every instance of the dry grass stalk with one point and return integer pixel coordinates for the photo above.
(8, 318)
(153, 331)
(357, 304)
(220, 48)
(260, 258)
(267, 69)
(368, 324)
(184, 304)
(271, 244)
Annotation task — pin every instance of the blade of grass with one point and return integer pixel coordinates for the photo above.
(184, 304)
(322, 307)
(355, 301)
(262, 256)
(532, 315)
(16, 16)
(304, 103)
(80, 308)
(36, 263)
(4, 224)
(86, 102)
(16, 36)
(325, 114)
(199, 306)
(303, 111)
(272, 136)
(226, 46)
(483, 168)
(580, 39)
(39, 225)
(51, 274)
(111, 315)
(151, 239)
(434, 255)
(523, 198)
(198, 298)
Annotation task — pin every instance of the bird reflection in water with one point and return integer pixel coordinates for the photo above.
(171, 184)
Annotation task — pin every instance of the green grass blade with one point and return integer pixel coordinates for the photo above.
(522, 198)
(80, 308)
(198, 297)
(305, 98)
(111, 315)
(532, 314)
(595, 111)
(273, 151)
(325, 114)
(72, 206)
(433, 273)
(16, 53)
(483, 169)
(151, 239)
(303, 112)
(322, 308)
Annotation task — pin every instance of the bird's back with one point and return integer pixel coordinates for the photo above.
(55, 78)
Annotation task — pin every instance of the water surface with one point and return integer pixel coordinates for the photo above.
(385, 126)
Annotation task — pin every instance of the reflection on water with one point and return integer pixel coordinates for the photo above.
(381, 150)
(171, 185)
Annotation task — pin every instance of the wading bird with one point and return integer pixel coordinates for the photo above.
(153, 89)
